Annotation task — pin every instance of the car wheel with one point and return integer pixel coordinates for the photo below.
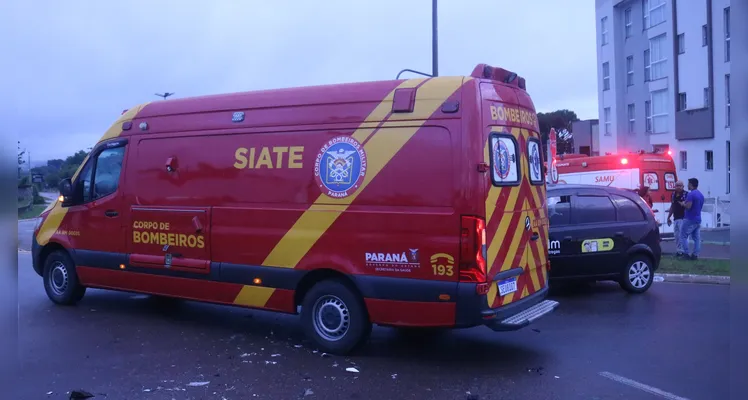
(334, 317)
(638, 275)
(61, 280)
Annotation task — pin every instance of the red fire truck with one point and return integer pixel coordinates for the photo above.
(629, 171)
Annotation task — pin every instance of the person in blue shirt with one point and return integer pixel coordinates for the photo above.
(692, 220)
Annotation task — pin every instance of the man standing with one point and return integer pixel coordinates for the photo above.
(692, 219)
(677, 212)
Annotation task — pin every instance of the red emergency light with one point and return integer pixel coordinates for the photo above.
(624, 161)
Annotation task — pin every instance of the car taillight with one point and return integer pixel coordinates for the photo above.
(473, 250)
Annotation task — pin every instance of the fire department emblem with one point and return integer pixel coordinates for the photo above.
(535, 161)
(501, 159)
(340, 167)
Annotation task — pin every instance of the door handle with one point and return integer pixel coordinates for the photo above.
(568, 238)
(619, 234)
(111, 213)
(535, 236)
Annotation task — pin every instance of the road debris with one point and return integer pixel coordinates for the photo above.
(351, 369)
(308, 392)
(198, 383)
(80, 395)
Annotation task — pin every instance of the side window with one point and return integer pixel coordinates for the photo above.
(650, 179)
(559, 210)
(628, 211)
(108, 168)
(504, 166)
(536, 161)
(669, 181)
(594, 209)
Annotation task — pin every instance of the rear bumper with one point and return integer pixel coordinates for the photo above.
(473, 310)
(519, 314)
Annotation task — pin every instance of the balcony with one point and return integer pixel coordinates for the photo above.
(694, 124)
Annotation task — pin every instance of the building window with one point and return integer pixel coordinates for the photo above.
(632, 117)
(727, 33)
(709, 160)
(681, 43)
(727, 100)
(629, 70)
(683, 160)
(606, 116)
(628, 22)
(706, 97)
(647, 70)
(704, 35)
(658, 57)
(604, 30)
(653, 13)
(682, 102)
(660, 111)
(648, 116)
(606, 76)
(728, 168)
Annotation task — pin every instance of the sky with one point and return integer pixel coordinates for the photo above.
(76, 65)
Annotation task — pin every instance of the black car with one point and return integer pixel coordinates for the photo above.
(602, 233)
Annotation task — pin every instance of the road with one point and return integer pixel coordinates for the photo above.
(126, 346)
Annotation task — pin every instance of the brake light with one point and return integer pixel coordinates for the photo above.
(624, 161)
(670, 152)
(473, 250)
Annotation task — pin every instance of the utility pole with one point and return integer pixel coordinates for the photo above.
(434, 40)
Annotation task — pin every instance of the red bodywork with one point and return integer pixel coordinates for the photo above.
(230, 188)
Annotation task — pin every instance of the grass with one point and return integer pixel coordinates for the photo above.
(32, 212)
(671, 265)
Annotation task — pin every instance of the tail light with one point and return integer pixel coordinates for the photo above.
(473, 250)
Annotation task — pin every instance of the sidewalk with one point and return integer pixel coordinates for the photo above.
(708, 250)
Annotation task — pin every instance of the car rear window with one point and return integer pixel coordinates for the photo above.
(594, 210)
(628, 211)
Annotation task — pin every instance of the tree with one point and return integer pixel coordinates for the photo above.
(560, 120)
(21, 161)
(57, 169)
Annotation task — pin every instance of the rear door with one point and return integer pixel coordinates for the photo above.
(508, 225)
(598, 238)
(536, 217)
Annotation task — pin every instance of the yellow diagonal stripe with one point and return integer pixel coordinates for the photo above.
(314, 222)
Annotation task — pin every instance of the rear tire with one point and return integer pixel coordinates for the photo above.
(638, 276)
(61, 280)
(334, 317)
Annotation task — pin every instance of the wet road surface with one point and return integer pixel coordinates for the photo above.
(125, 346)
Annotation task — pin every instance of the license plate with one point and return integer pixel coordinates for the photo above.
(507, 286)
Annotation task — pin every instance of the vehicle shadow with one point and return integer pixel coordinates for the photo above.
(477, 349)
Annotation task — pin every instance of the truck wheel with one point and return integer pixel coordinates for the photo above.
(60, 279)
(638, 275)
(334, 317)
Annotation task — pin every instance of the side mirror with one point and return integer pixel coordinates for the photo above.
(66, 190)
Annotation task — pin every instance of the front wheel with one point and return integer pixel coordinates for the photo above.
(638, 276)
(334, 317)
(61, 280)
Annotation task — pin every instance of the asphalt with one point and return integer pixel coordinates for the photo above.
(714, 244)
(118, 345)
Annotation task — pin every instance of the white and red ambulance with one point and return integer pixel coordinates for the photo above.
(627, 171)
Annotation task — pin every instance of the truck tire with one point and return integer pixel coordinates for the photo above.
(334, 317)
(61, 280)
(638, 275)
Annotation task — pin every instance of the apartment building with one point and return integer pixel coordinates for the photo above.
(664, 83)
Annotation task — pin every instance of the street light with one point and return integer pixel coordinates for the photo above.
(434, 40)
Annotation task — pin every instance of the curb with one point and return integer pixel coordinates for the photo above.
(700, 257)
(691, 278)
